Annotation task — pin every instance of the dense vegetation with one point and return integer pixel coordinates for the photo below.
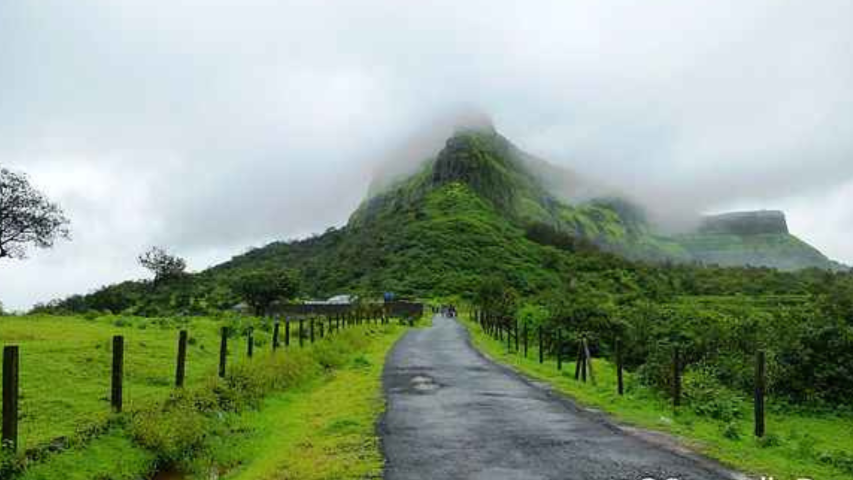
(808, 338)
(467, 215)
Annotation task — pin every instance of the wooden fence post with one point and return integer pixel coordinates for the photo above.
(541, 347)
(250, 342)
(223, 351)
(559, 349)
(525, 340)
(620, 385)
(760, 384)
(676, 378)
(11, 367)
(275, 329)
(311, 328)
(286, 332)
(301, 340)
(579, 362)
(116, 396)
(588, 361)
(181, 368)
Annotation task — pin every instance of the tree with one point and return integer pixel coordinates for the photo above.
(2, 312)
(163, 265)
(27, 217)
(260, 289)
(496, 298)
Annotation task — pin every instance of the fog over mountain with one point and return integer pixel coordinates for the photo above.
(210, 127)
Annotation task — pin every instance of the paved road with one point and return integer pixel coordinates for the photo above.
(452, 414)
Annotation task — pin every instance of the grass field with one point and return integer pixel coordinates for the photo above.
(65, 366)
(798, 444)
(309, 413)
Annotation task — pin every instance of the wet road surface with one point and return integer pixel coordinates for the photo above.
(452, 414)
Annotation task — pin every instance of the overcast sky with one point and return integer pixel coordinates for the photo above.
(211, 126)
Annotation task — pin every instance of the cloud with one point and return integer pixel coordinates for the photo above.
(212, 126)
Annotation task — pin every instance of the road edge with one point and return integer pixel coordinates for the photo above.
(663, 440)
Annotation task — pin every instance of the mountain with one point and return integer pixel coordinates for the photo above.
(752, 238)
(470, 209)
(527, 190)
(481, 207)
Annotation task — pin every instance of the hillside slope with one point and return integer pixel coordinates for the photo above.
(497, 171)
(469, 211)
(521, 188)
(481, 207)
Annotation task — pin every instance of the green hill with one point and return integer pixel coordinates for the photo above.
(752, 238)
(470, 211)
(518, 187)
(482, 207)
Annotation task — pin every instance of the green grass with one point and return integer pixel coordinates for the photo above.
(325, 431)
(65, 367)
(807, 445)
(112, 456)
(227, 425)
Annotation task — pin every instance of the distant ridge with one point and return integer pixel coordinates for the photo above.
(746, 223)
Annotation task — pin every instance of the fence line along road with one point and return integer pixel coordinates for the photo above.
(337, 317)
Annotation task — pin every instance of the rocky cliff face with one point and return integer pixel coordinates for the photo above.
(758, 239)
(745, 223)
(482, 159)
(520, 188)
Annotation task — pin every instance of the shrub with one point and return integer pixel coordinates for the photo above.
(731, 431)
(707, 395)
(10, 463)
(175, 432)
(804, 445)
(769, 440)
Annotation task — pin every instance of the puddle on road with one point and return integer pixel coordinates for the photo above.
(424, 384)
